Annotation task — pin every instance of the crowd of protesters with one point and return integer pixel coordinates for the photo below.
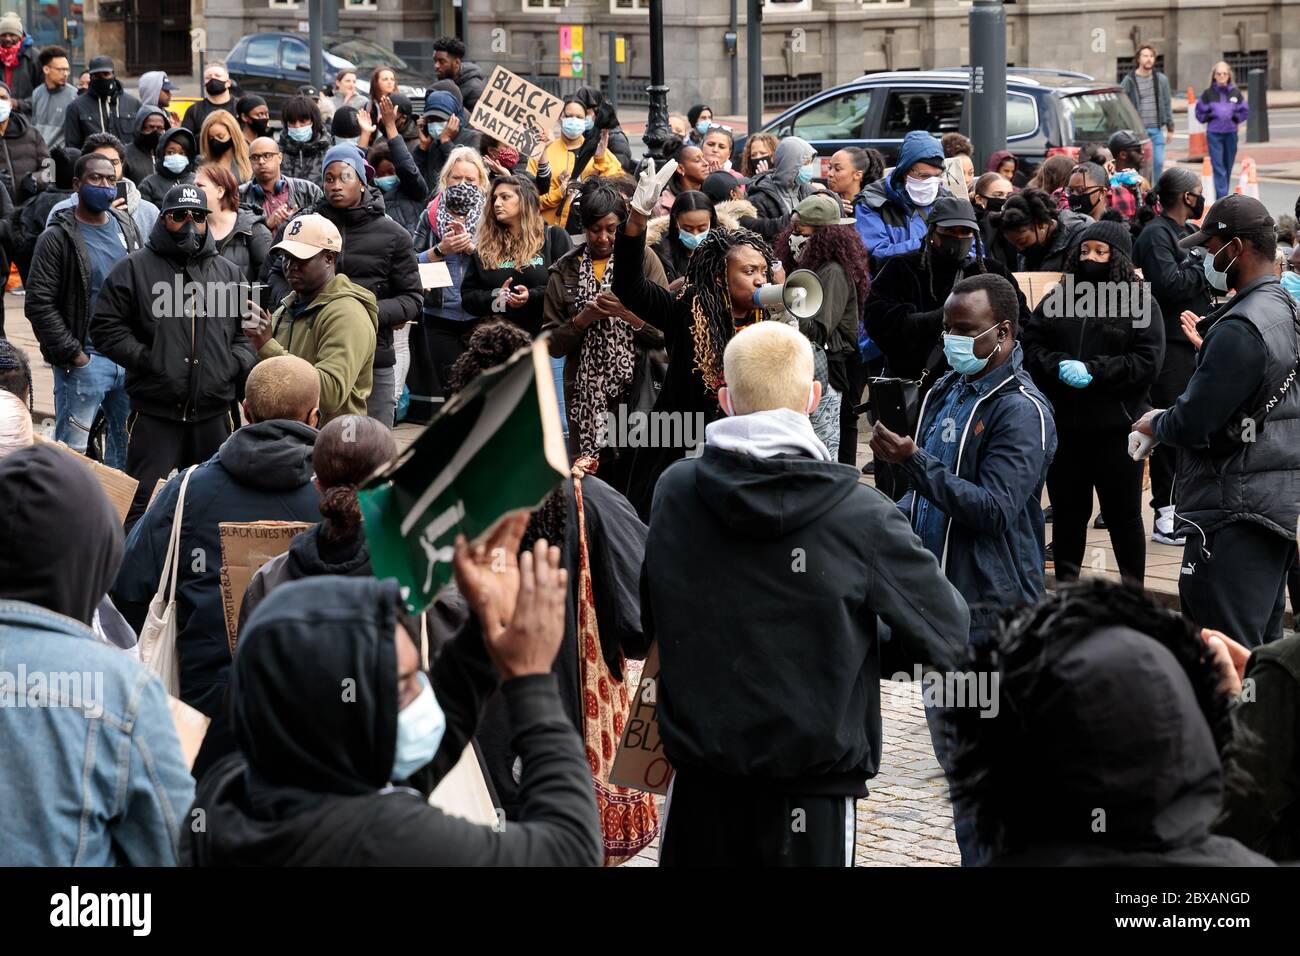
(777, 583)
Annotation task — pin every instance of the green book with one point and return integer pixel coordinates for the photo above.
(495, 448)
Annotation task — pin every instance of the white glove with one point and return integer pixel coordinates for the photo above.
(1139, 445)
(651, 186)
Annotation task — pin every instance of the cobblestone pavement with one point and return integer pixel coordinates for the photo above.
(906, 821)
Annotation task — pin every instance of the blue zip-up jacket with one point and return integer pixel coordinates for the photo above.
(993, 547)
(887, 219)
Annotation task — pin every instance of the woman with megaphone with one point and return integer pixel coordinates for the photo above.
(719, 298)
(821, 240)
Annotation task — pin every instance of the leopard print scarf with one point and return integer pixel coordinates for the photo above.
(606, 361)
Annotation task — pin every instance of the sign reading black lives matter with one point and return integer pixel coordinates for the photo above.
(515, 112)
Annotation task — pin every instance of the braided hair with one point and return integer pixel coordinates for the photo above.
(15, 373)
(712, 322)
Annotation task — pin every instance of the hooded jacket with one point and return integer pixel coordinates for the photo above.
(672, 254)
(470, 79)
(889, 222)
(248, 244)
(139, 157)
(774, 681)
(1178, 284)
(27, 74)
(150, 87)
(304, 160)
(156, 184)
(1114, 722)
(377, 255)
(309, 555)
(302, 194)
(993, 544)
(57, 303)
(104, 783)
(311, 783)
(175, 369)
(1122, 351)
(407, 200)
(49, 111)
(336, 333)
(22, 154)
(262, 472)
(89, 114)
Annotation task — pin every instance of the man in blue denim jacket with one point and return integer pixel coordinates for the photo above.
(94, 774)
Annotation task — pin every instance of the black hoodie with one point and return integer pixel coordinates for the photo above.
(261, 473)
(775, 679)
(63, 540)
(155, 185)
(139, 153)
(309, 555)
(310, 783)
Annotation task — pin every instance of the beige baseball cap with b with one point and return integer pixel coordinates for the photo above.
(308, 235)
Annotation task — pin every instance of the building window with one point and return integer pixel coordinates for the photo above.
(284, 4)
(788, 90)
(788, 6)
(534, 5)
(359, 4)
(876, 4)
(629, 6)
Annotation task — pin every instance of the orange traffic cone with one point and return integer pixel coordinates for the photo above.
(1207, 182)
(13, 281)
(1248, 181)
(1197, 147)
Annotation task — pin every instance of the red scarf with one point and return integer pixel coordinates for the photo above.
(9, 58)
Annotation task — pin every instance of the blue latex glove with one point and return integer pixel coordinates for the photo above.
(1074, 373)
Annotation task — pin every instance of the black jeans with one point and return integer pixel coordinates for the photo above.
(1174, 376)
(157, 445)
(1096, 459)
(705, 824)
(844, 370)
(1240, 589)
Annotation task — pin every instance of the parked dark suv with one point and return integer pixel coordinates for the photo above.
(274, 65)
(1048, 111)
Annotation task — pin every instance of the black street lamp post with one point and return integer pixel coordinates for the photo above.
(657, 129)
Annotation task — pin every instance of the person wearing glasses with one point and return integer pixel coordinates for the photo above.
(186, 356)
(269, 192)
(50, 100)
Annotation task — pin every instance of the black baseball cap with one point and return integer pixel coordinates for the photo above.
(953, 211)
(1234, 215)
(100, 64)
(185, 196)
(1124, 139)
(718, 186)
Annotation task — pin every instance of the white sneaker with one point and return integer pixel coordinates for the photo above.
(1163, 532)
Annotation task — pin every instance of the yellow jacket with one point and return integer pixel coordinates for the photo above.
(556, 201)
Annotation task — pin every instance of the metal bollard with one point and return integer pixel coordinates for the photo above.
(1257, 97)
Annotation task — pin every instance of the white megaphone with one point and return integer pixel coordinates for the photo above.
(800, 294)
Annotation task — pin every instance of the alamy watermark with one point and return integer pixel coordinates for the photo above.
(1101, 300)
(978, 689)
(621, 428)
(81, 690)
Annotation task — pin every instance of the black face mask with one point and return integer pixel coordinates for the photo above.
(187, 238)
(995, 203)
(1198, 207)
(180, 245)
(1090, 271)
(218, 147)
(148, 141)
(952, 248)
(215, 87)
(259, 126)
(102, 87)
(1080, 202)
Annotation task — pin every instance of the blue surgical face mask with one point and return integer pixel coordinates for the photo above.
(97, 198)
(386, 183)
(702, 127)
(692, 241)
(420, 726)
(1217, 280)
(1291, 283)
(435, 129)
(572, 127)
(960, 352)
(350, 140)
(591, 124)
(299, 134)
(807, 173)
(6, 108)
(176, 162)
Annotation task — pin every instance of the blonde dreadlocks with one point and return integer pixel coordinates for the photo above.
(712, 323)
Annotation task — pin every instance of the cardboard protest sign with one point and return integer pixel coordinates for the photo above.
(1035, 285)
(515, 111)
(191, 728)
(639, 762)
(435, 275)
(464, 793)
(494, 448)
(245, 547)
(119, 487)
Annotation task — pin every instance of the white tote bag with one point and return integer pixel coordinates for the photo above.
(158, 636)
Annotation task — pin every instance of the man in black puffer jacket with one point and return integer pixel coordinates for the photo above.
(185, 354)
(377, 255)
(105, 107)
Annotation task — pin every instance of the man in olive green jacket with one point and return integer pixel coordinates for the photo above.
(327, 319)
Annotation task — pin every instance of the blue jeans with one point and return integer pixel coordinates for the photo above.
(1223, 154)
(78, 395)
(1157, 134)
(557, 373)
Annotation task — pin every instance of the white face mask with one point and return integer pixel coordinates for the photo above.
(924, 191)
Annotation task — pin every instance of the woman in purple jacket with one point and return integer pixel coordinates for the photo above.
(1223, 108)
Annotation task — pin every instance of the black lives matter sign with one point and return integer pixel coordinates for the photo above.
(515, 112)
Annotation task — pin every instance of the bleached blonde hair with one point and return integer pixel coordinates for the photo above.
(464, 154)
(15, 423)
(768, 365)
